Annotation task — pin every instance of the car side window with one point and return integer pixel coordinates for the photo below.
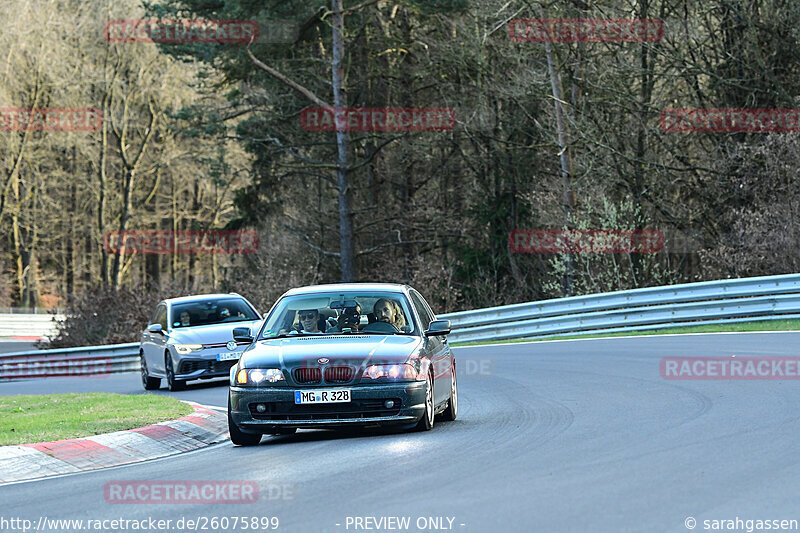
(154, 318)
(422, 310)
(161, 317)
(428, 307)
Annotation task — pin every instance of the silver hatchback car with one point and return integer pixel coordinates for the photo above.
(190, 338)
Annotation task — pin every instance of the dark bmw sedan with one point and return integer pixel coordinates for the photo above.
(343, 355)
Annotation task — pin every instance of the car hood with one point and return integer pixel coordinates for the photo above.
(212, 334)
(355, 350)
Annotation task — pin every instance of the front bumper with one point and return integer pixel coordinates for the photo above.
(366, 407)
(196, 368)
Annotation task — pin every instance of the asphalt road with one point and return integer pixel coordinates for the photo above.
(10, 346)
(564, 436)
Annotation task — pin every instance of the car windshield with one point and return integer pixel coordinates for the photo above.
(340, 314)
(205, 312)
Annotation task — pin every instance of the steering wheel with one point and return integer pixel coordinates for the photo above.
(380, 327)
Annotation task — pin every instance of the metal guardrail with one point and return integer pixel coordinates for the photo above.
(735, 300)
(28, 325)
(709, 302)
(66, 362)
(30, 310)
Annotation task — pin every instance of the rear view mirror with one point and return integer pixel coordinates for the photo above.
(438, 328)
(242, 335)
(343, 304)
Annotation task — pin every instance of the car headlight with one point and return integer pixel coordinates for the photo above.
(183, 349)
(404, 371)
(258, 376)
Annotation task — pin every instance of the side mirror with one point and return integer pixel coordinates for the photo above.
(155, 328)
(242, 334)
(438, 328)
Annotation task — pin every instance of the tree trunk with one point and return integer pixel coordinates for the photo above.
(193, 217)
(70, 252)
(641, 143)
(342, 143)
(565, 155)
(25, 246)
(102, 176)
(127, 210)
(131, 169)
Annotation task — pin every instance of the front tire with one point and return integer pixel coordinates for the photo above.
(173, 384)
(426, 422)
(238, 438)
(451, 412)
(147, 382)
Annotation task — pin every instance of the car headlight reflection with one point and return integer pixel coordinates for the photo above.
(183, 349)
(404, 371)
(258, 376)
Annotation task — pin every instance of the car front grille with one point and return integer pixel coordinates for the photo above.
(333, 375)
(347, 337)
(225, 345)
(307, 375)
(371, 408)
(339, 374)
(212, 367)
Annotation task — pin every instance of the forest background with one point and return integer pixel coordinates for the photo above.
(547, 135)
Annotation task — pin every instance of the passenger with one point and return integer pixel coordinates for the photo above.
(186, 318)
(310, 321)
(350, 319)
(390, 312)
(225, 313)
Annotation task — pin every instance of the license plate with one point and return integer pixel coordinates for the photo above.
(228, 356)
(322, 396)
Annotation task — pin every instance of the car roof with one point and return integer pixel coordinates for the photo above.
(349, 287)
(201, 297)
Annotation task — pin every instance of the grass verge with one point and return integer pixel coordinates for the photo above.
(28, 419)
(763, 325)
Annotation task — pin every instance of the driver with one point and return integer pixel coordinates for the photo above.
(186, 318)
(389, 311)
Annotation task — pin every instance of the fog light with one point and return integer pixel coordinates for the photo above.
(389, 404)
(261, 408)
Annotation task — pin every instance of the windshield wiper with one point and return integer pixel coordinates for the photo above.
(382, 333)
(287, 336)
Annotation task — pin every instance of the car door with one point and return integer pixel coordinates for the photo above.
(153, 343)
(437, 350)
(147, 341)
(445, 357)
